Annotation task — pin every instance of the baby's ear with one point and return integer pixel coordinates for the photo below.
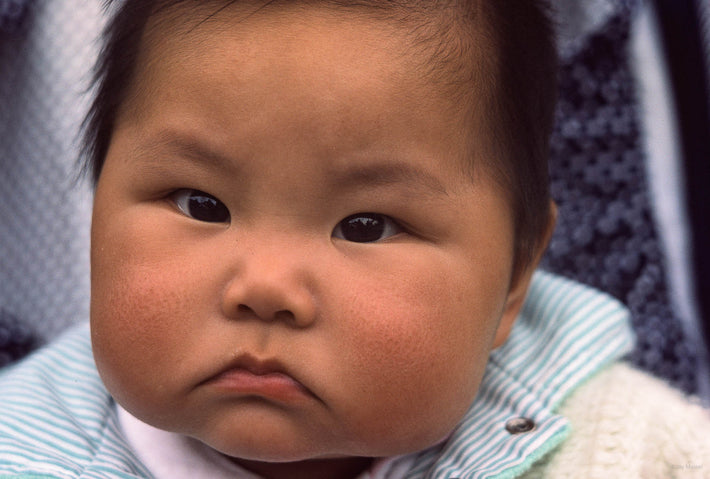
(519, 288)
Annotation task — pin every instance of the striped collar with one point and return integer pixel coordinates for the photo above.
(565, 333)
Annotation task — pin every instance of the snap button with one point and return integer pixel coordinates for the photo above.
(519, 425)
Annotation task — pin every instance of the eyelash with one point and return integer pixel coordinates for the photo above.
(365, 227)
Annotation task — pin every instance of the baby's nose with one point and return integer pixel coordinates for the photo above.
(270, 293)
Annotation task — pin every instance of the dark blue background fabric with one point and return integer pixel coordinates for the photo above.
(12, 13)
(685, 28)
(605, 235)
(16, 338)
(44, 212)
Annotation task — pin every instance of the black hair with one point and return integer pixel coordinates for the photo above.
(500, 54)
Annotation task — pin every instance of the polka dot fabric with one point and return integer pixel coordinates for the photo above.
(44, 214)
(605, 235)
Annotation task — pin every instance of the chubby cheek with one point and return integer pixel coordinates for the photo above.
(142, 316)
(417, 352)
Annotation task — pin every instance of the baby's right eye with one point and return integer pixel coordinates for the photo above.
(201, 206)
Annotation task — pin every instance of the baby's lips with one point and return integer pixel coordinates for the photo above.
(250, 376)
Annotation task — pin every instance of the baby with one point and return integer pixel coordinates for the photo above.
(316, 224)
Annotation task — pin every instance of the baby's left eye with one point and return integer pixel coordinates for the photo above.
(366, 228)
(201, 206)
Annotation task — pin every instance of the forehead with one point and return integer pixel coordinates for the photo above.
(326, 59)
(445, 55)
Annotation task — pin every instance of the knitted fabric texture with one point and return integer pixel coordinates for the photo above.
(605, 235)
(631, 425)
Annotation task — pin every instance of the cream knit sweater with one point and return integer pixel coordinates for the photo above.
(627, 425)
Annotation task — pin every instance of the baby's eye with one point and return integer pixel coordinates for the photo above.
(201, 206)
(366, 228)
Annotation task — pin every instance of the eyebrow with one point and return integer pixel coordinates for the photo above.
(386, 174)
(183, 146)
(351, 177)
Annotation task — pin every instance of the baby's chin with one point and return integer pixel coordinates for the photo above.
(321, 465)
(297, 453)
(278, 453)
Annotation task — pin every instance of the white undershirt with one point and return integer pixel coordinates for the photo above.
(173, 456)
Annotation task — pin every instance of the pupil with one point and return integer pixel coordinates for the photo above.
(363, 229)
(207, 208)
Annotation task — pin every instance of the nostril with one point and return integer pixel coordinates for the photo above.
(285, 315)
(281, 315)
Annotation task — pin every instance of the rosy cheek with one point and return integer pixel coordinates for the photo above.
(418, 355)
(138, 320)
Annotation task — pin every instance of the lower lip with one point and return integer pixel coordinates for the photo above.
(277, 386)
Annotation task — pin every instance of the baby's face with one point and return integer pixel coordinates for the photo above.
(287, 260)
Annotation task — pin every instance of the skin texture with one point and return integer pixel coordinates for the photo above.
(295, 123)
